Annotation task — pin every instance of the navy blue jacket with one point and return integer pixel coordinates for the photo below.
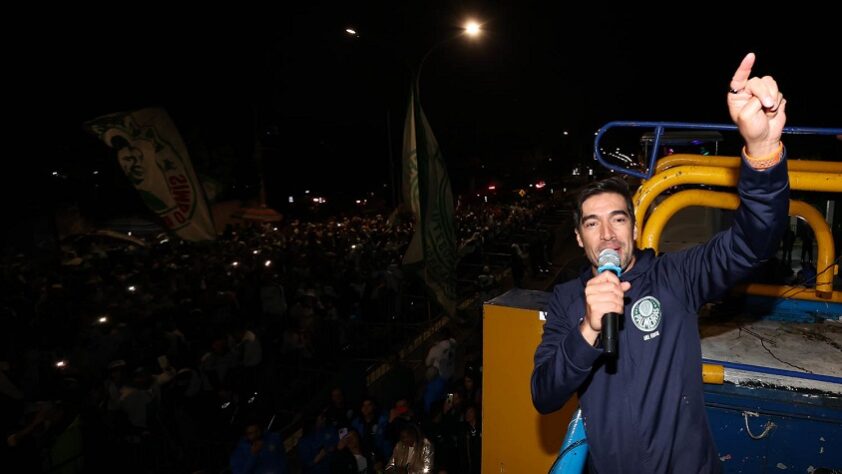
(649, 415)
(271, 459)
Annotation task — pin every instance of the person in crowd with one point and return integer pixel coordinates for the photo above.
(259, 452)
(413, 454)
(469, 441)
(317, 446)
(442, 356)
(472, 388)
(371, 427)
(350, 457)
(338, 413)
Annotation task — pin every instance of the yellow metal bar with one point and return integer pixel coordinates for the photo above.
(713, 176)
(713, 373)
(791, 292)
(651, 236)
(672, 161)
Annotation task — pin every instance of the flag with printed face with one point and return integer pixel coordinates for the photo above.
(426, 188)
(153, 157)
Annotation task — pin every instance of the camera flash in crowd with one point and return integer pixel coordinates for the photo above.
(103, 319)
(268, 263)
(61, 364)
(235, 263)
(132, 288)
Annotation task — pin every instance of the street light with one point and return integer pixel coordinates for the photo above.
(471, 28)
(352, 32)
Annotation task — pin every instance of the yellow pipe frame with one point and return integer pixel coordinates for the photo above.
(713, 176)
(713, 373)
(651, 236)
(673, 161)
(791, 292)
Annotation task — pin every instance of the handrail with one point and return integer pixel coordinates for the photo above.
(697, 197)
(681, 159)
(660, 127)
(713, 176)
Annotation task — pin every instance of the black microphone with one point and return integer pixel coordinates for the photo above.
(609, 260)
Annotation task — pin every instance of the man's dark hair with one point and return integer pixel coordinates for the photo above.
(614, 185)
(369, 398)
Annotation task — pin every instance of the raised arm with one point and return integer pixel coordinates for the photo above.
(758, 108)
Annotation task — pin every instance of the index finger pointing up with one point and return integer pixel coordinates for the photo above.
(738, 82)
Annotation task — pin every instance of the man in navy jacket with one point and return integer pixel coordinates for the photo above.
(645, 413)
(259, 452)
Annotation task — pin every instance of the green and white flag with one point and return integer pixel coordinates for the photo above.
(154, 158)
(426, 188)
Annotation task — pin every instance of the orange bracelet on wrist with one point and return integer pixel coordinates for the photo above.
(767, 161)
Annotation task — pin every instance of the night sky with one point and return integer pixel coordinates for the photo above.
(326, 104)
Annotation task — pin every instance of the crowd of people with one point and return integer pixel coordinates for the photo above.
(152, 357)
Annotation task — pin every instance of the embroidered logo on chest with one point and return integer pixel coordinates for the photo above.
(646, 313)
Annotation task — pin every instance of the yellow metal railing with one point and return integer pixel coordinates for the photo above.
(791, 292)
(651, 236)
(673, 161)
(719, 176)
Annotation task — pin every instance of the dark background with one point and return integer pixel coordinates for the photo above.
(326, 106)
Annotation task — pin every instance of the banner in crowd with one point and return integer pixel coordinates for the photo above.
(426, 188)
(153, 157)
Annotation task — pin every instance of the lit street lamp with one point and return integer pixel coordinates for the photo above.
(471, 28)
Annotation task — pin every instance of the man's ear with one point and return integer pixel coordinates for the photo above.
(634, 233)
(578, 238)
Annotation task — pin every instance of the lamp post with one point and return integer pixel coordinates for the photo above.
(353, 33)
(472, 29)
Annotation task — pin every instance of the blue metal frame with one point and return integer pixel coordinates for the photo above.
(774, 401)
(792, 430)
(773, 371)
(798, 311)
(574, 450)
(661, 126)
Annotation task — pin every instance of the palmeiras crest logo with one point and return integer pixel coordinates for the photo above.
(646, 313)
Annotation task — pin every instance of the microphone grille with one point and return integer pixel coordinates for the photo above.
(608, 257)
